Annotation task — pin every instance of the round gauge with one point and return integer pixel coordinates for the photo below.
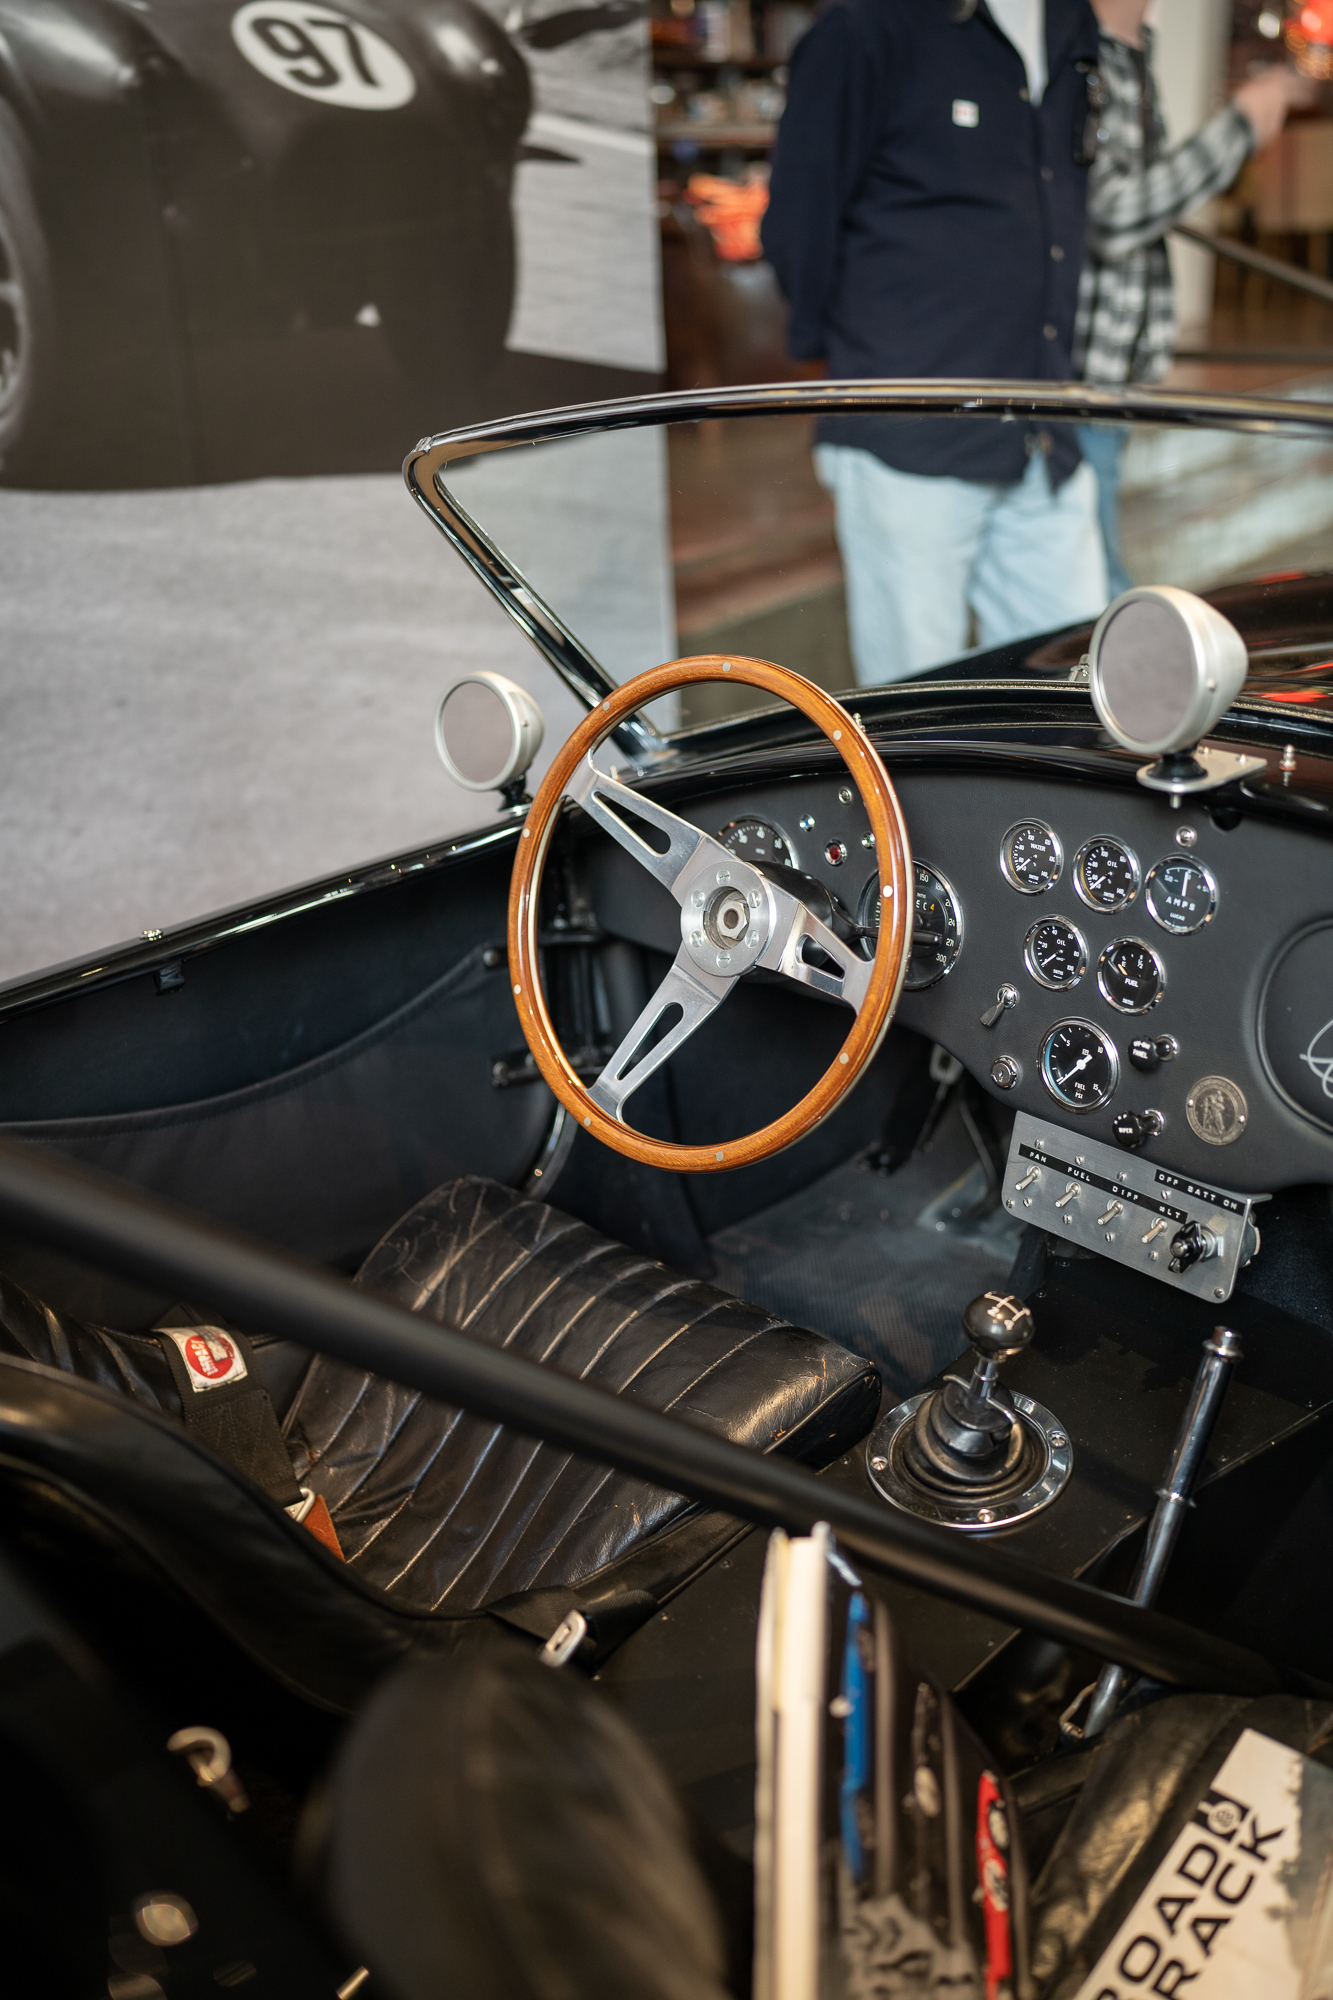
(1031, 857)
(1130, 976)
(937, 926)
(1106, 875)
(1055, 953)
(1181, 895)
(756, 840)
(1079, 1065)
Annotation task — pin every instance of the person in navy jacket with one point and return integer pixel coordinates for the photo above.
(927, 219)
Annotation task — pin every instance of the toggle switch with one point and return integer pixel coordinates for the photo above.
(1006, 997)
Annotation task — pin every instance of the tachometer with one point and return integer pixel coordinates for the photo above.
(756, 840)
(937, 926)
(1079, 1065)
(1106, 874)
(1130, 976)
(1031, 857)
(1056, 953)
(1181, 895)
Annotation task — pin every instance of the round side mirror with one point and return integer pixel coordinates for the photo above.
(1163, 668)
(487, 731)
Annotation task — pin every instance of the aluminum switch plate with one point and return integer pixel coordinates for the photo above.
(1124, 1206)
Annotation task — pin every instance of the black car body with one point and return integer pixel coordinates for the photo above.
(169, 210)
(340, 1073)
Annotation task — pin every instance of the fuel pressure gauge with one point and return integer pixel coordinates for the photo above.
(1079, 1065)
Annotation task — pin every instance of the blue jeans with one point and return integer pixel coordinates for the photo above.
(1103, 446)
(922, 556)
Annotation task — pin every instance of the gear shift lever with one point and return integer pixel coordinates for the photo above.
(970, 1452)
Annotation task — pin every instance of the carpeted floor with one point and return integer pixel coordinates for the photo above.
(885, 1265)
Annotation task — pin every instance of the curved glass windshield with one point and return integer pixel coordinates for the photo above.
(865, 550)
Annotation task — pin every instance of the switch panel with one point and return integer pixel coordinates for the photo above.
(1128, 1208)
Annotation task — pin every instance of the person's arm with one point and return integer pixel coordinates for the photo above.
(1128, 208)
(824, 144)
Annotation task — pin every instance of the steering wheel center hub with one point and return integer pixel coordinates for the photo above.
(725, 919)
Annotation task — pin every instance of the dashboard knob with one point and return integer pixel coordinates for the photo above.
(1192, 1244)
(1147, 1052)
(1134, 1128)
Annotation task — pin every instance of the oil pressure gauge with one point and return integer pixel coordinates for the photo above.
(1106, 874)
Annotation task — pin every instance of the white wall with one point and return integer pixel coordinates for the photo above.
(1191, 74)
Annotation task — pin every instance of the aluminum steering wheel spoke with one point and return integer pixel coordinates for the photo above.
(600, 796)
(798, 941)
(687, 986)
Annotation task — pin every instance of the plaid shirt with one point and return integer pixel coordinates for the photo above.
(1137, 190)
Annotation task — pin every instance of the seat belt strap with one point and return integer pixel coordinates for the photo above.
(226, 1407)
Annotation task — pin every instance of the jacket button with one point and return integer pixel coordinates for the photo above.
(1048, 173)
(1057, 253)
(1026, 95)
(1049, 332)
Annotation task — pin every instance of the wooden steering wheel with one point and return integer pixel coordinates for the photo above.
(732, 918)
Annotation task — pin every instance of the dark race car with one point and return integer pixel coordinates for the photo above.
(184, 184)
(900, 1118)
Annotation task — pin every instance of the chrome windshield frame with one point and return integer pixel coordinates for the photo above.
(1012, 402)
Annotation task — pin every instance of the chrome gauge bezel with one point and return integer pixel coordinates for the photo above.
(757, 819)
(869, 899)
(1179, 861)
(1084, 894)
(1006, 865)
(1029, 959)
(1109, 1049)
(1109, 998)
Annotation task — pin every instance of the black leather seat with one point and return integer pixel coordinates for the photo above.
(437, 1512)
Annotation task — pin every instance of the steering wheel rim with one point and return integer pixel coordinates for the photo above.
(692, 973)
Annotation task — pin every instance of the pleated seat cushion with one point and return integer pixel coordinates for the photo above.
(446, 1510)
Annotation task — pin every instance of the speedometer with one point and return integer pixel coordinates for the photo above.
(756, 840)
(937, 926)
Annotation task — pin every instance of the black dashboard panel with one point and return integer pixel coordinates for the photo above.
(1239, 1074)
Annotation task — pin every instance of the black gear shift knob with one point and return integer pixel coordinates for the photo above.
(997, 1324)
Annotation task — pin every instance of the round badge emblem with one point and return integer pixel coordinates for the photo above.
(210, 1355)
(1217, 1110)
(322, 54)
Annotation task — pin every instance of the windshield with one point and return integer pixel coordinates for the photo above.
(866, 549)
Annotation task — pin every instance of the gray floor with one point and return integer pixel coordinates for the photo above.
(884, 1265)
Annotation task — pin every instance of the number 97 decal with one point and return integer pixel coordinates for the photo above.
(320, 53)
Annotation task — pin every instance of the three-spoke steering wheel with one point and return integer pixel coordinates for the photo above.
(732, 918)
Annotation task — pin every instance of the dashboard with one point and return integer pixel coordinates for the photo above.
(1099, 961)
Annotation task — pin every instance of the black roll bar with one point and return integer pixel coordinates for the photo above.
(141, 1237)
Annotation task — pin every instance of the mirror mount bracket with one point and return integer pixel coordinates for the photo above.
(1205, 768)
